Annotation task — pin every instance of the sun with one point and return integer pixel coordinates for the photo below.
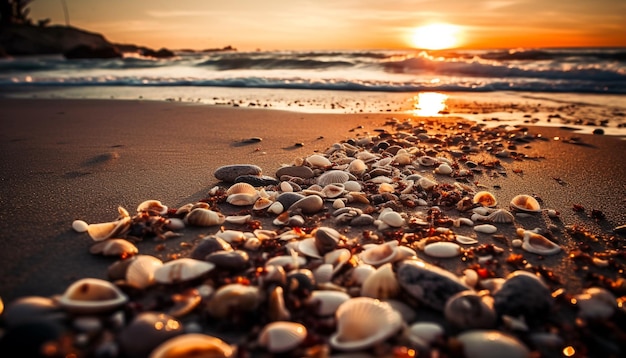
(437, 36)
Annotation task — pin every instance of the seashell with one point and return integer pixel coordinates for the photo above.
(242, 199)
(231, 236)
(308, 205)
(333, 190)
(491, 344)
(382, 284)
(339, 203)
(525, 203)
(428, 284)
(114, 247)
(357, 167)
(276, 208)
(332, 177)
(228, 173)
(175, 224)
(423, 334)
(326, 239)
(238, 219)
(442, 249)
(444, 169)
(262, 203)
(233, 298)
(140, 272)
(277, 311)
(357, 197)
(380, 254)
(193, 345)
(391, 218)
(596, 303)
(380, 179)
(325, 303)
(366, 156)
(337, 257)
(92, 295)
(363, 322)
(229, 260)
(323, 273)
(537, 244)
(427, 161)
(467, 310)
(286, 261)
(318, 160)
(146, 332)
(181, 270)
(352, 185)
(307, 248)
(462, 221)
(485, 198)
(282, 336)
(80, 226)
(361, 272)
(204, 217)
(501, 216)
(185, 209)
(209, 245)
(523, 294)
(402, 158)
(152, 207)
(386, 188)
(485, 228)
(103, 231)
(465, 240)
(286, 187)
(426, 183)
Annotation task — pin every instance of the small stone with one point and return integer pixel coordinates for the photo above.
(598, 131)
(229, 173)
(256, 180)
(295, 171)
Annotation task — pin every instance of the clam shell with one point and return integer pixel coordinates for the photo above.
(238, 219)
(193, 345)
(103, 231)
(308, 205)
(444, 169)
(204, 217)
(114, 247)
(276, 208)
(323, 273)
(363, 322)
(391, 218)
(152, 206)
(233, 298)
(231, 236)
(333, 190)
(282, 336)
(537, 244)
(380, 254)
(485, 228)
(92, 295)
(426, 183)
(332, 177)
(485, 198)
(465, 240)
(242, 199)
(491, 344)
(352, 185)
(327, 302)
(357, 167)
(181, 270)
(318, 160)
(140, 272)
(361, 272)
(286, 261)
(526, 203)
(308, 248)
(262, 203)
(442, 249)
(427, 161)
(80, 226)
(382, 284)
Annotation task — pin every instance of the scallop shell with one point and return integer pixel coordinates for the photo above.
(327, 302)
(80, 226)
(526, 203)
(140, 272)
(501, 216)
(114, 247)
(382, 284)
(537, 244)
(485, 228)
(442, 249)
(204, 217)
(103, 231)
(380, 254)
(152, 206)
(485, 198)
(491, 344)
(91, 295)
(282, 336)
(363, 322)
(332, 177)
(182, 270)
(318, 160)
(357, 167)
(193, 345)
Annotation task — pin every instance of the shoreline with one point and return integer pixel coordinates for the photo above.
(80, 159)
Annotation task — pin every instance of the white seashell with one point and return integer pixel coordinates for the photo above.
(333, 190)
(238, 219)
(241, 188)
(402, 158)
(204, 217)
(380, 179)
(175, 224)
(361, 272)
(423, 334)
(426, 183)
(491, 344)
(596, 303)
(182, 270)
(276, 208)
(140, 272)
(501, 216)
(442, 249)
(242, 199)
(114, 247)
(91, 295)
(327, 302)
(286, 187)
(380, 254)
(231, 236)
(339, 203)
(386, 188)
(536, 243)
(323, 273)
(262, 203)
(485, 228)
(363, 322)
(282, 336)
(80, 226)
(286, 261)
(444, 169)
(525, 203)
(193, 345)
(465, 240)
(307, 248)
(357, 167)
(152, 206)
(352, 185)
(333, 176)
(391, 218)
(337, 257)
(485, 198)
(482, 211)
(427, 161)
(232, 298)
(103, 231)
(382, 284)
(318, 160)
(463, 221)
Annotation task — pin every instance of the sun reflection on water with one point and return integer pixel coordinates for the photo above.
(428, 104)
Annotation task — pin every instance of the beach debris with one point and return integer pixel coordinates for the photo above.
(525, 203)
(282, 336)
(91, 295)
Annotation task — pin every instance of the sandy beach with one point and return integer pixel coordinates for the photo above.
(63, 160)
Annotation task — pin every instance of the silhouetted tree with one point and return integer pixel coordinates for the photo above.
(14, 12)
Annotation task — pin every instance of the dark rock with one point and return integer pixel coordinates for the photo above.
(288, 199)
(209, 245)
(598, 131)
(17, 40)
(229, 260)
(89, 52)
(295, 171)
(256, 180)
(161, 53)
(523, 294)
(229, 173)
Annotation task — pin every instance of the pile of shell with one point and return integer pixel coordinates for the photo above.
(339, 252)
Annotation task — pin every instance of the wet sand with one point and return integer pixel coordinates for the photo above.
(63, 160)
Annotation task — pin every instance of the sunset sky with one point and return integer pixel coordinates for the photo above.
(342, 24)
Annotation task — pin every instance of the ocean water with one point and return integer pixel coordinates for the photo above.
(349, 81)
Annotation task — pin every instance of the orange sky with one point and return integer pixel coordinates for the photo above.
(342, 24)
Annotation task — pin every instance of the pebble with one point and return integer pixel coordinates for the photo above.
(228, 173)
(295, 171)
(256, 180)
